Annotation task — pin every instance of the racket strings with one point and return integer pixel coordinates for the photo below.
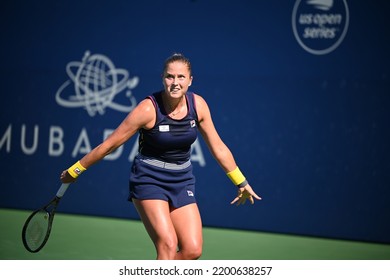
(37, 229)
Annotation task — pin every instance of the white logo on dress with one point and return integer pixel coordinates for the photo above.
(163, 128)
(320, 26)
(96, 83)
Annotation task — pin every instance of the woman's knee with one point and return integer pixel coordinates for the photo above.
(166, 249)
(191, 253)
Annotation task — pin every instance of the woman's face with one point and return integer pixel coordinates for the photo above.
(176, 79)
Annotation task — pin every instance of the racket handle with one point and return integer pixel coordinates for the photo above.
(62, 190)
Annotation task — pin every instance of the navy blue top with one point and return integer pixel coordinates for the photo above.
(170, 140)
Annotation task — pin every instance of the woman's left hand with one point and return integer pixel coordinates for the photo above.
(245, 193)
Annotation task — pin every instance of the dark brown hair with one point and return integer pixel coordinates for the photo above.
(178, 57)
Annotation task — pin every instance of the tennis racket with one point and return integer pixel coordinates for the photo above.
(36, 229)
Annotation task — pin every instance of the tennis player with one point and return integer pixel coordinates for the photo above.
(162, 185)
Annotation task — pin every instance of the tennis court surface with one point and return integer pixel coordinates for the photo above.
(76, 237)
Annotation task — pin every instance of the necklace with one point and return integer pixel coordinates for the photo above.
(175, 113)
(172, 110)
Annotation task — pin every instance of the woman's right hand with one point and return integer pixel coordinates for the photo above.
(66, 178)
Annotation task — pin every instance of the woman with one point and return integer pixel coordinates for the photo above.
(161, 182)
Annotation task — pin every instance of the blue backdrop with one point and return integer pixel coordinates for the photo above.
(299, 91)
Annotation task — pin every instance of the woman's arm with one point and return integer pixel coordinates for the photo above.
(221, 152)
(143, 116)
(217, 147)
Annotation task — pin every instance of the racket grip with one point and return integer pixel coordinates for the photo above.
(62, 190)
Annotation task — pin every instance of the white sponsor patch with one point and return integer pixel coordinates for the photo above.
(163, 128)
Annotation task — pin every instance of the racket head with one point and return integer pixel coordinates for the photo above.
(36, 230)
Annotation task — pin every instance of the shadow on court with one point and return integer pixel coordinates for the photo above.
(77, 237)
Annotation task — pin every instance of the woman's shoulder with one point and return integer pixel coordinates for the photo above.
(145, 108)
(202, 109)
(144, 114)
(199, 100)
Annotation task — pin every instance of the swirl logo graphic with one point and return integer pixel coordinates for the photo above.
(320, 26)
(96, 83)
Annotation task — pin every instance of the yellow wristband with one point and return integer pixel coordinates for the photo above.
(236, 176)
(76, 169)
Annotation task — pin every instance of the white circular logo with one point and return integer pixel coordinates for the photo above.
(96, 82)
(320, 25)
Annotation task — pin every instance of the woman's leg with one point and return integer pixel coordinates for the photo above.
(169, 228)
(155, 215)
(188, 227)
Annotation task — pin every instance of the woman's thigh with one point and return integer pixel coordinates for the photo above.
(155, 215)
(188, 225)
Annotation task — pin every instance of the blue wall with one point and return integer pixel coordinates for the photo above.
(299, 92)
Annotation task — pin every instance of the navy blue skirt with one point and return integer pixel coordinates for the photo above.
(153, 179)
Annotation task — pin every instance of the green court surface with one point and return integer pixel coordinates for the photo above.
(76, 237)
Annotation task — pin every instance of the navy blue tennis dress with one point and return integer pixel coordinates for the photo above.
(162, 169)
